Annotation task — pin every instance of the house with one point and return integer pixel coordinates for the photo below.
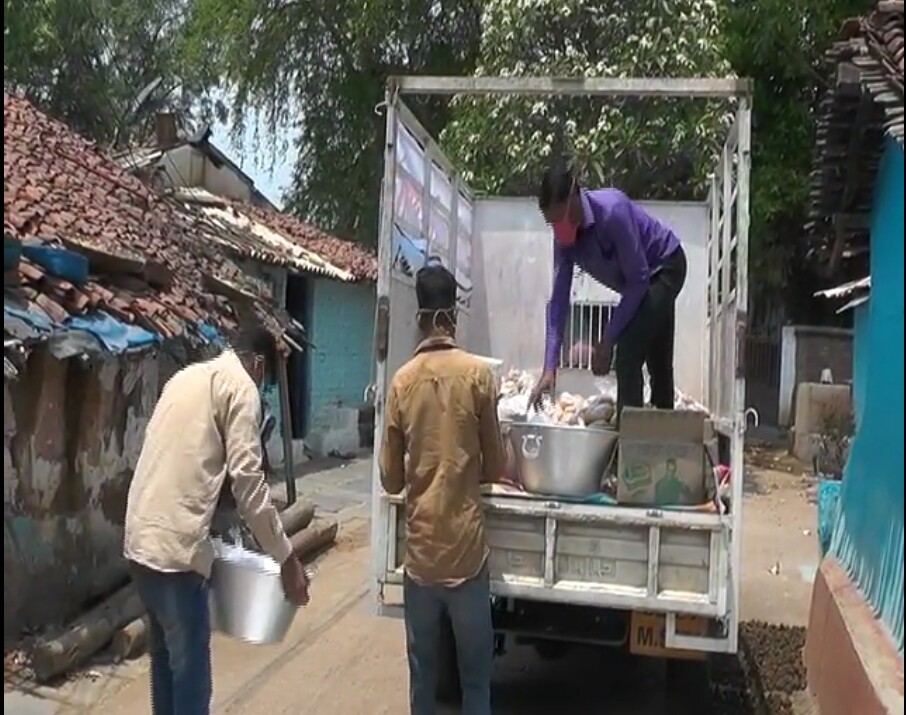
(108, 290)
(323, 282)
(854, 652)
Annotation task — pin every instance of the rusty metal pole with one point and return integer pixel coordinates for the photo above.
(286, 418)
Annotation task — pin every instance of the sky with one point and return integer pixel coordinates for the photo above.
(256, 161)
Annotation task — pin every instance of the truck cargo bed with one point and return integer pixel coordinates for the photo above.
(613, 556)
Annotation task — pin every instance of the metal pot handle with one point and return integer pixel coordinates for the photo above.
(531, 445)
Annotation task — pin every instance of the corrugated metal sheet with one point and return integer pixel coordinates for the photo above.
(292, 254)
(845, 289)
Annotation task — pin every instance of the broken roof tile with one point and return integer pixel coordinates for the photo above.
(59, 187)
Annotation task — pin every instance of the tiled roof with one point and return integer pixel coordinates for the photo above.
(864, 103)
(251, 232)
(351, 257)
(276, 237)
(147, 264)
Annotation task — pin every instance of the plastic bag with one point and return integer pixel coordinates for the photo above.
(252, 560)
(607, 388)
(514, 408)
(598, 410)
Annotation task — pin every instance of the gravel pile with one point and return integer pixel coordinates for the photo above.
(766, 675)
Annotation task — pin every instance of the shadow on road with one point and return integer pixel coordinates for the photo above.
(586, 681)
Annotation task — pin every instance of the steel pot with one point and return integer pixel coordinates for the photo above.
(248, 602)
(562, 460)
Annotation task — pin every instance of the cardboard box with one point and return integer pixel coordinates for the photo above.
(662, 457)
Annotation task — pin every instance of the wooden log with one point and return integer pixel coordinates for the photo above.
(297, 516)
(309, 542)
(130, 641)
(87, 635)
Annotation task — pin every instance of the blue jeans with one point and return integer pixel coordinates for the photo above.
(180, 640)
(469, 609)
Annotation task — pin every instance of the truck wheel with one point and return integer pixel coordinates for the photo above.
(449, 690)
(689, 681)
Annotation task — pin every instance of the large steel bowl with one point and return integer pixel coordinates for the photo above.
(562, 460)
(248, 602)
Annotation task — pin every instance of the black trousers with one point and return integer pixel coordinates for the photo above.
(649, 340)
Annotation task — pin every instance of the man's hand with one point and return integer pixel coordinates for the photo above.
(601, 359)
(544, 386)
(295, 581)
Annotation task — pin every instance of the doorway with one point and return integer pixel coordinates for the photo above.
(298, 305)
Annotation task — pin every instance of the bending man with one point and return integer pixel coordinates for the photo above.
(623, 247)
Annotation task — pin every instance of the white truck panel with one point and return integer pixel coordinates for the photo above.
(673, 562)
(513, 274)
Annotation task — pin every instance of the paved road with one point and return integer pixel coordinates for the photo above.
(341, 660)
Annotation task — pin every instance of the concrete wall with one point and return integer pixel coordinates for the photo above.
(71, 437)
(805, 352)
(340, 365)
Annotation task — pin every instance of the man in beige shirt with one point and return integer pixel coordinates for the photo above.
(441, 416)
(205, 428)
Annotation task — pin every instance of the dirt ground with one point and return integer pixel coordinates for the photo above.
(339, 659)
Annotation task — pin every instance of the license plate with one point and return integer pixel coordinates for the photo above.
(648, 634)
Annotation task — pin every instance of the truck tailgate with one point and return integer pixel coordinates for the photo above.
(614, 557)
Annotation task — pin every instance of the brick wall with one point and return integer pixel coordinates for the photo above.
(341, 323)
(821, 348)
(805, 352)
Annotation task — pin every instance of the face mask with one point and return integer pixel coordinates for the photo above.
(565, 231)
(436, 315)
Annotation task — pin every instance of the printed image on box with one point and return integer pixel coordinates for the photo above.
(662, 458)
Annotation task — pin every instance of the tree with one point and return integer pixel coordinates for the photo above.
(650, 148)
(322, 66)
(780, 44)
(88, 62)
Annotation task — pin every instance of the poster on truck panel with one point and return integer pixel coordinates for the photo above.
(432, 216)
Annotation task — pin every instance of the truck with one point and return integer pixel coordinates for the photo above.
(654, 581)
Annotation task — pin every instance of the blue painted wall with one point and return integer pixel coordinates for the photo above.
(868, 538)
(341, 326)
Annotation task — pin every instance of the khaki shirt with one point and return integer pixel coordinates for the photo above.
(205, 426)
(441, 442)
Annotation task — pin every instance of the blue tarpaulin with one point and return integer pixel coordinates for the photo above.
(32, 321)
(58, 261)
(210, 334)
(115, 336)
(72, 337)
(828, 503)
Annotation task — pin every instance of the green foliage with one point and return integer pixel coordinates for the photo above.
(88, 61)
(780, 44)
(650, 148)
(322, 66)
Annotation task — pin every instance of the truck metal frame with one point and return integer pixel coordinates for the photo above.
(681, 563)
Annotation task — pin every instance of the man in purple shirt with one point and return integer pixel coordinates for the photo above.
(622, 246)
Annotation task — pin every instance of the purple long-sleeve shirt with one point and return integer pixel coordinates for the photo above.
(620, 245)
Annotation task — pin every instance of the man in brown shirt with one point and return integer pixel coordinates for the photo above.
(205, 427)
(442, 440)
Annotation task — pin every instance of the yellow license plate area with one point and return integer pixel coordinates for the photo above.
(648, 633)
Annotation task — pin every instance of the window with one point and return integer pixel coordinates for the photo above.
(584, 328)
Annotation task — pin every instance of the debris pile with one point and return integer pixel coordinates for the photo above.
(570, 409)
